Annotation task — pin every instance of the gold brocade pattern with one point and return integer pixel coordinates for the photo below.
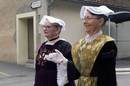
(84, 55)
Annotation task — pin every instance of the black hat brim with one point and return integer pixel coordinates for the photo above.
(120, 17)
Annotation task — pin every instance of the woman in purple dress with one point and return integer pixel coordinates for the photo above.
(54, 56)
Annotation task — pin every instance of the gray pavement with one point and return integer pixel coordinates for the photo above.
(21, 75)
(123, 63)
(123, 72)
(16, 75)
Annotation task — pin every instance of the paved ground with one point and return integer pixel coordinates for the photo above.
(122, 63)
(123, 72)
(17, 75)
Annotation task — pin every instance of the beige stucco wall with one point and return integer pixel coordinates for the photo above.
(7, 28)
(69, 12)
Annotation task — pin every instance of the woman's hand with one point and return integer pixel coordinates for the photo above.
(56, 57)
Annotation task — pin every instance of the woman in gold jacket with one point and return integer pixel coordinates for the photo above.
(95, 54)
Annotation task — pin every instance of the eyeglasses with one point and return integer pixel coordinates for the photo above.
(47, 26)
(89, 18)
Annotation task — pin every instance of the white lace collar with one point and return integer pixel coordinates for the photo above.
(54, 41)
(89, 38)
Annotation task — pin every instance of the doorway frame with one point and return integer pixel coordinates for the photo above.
(23, 59)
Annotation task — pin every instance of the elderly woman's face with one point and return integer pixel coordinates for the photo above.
(91, 23)
(50, 31)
